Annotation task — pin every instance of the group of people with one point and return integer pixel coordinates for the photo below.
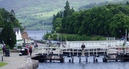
(30, 50)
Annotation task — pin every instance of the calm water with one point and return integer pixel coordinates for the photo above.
(37, 34)
(83, 65)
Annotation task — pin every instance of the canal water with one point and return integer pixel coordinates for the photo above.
(84, 65)
(38, 34)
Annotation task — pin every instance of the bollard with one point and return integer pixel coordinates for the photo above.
(69, 60)
(72, 59)
(96, 60)
(2, 58)
(80, 60)
(86, 59)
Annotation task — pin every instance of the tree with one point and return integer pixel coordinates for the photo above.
(8, 35)
(127, 3)
(57, 23)
(1, 21)
(12, 12)
(67, 9)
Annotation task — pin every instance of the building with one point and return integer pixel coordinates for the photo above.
(26, 39)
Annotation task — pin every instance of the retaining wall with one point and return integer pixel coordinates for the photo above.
(30, 65)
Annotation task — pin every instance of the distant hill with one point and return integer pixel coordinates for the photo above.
(34, 13)
(91, 5)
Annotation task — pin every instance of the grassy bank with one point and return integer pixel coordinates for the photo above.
(73, 37)
(3, 64)
(0, 49)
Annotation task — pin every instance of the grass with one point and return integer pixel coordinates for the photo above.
(91, 37)
(3, 64)
(0, 49)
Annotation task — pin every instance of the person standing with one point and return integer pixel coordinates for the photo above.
(30, 50)
(4, 49)
(83, 48)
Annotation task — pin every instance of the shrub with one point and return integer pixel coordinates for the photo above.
(52, 31)
(54, 36)
(0, 49)
(19, 47)
(46, 36)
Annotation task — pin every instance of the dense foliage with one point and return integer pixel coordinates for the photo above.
(57, 19)
(108, 20)
(7, 32)
(8, 36)
(71, 37)
(4, 15)
(35, 13)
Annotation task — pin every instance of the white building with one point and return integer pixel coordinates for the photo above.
(18, 36)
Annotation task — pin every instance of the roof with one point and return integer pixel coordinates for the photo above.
(24, 35)
(16, 29)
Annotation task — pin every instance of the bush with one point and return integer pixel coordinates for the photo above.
(98, 37)
(7, 46)
(50, 35)
(52, 31)
(0, 49)
(55, 37)
(46, 36)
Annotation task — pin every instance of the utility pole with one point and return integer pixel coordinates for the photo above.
(125, 35)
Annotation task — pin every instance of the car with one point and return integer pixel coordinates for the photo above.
(27, 46)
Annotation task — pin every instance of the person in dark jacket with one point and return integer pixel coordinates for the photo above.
(4, 49)
(30, 50)
(83, 46)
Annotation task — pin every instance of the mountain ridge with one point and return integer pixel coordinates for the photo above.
(34, 13)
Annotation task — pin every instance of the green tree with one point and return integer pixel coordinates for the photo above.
(127, 3)
(57, 23)
(67, 9)
(8, 35)
(1, 21)
(12, 12)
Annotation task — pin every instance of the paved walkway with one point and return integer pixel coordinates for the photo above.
(15, 61)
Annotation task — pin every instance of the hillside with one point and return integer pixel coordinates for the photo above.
(110, 20)
(34, 13)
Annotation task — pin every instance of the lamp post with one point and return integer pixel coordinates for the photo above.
(8, 20)
(9, 39)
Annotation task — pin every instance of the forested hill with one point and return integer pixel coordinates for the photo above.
(91, 5)
(4, 15)
(108, 20)
(34, 13)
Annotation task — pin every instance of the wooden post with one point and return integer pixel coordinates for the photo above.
(50, 58)
(93, 58)
(2, 58)
(86, 59)
(79, 59)
(77, 52)
(72, 59)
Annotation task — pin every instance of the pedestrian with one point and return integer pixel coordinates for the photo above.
(4, 49)
(30, 50)
(83, 48)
